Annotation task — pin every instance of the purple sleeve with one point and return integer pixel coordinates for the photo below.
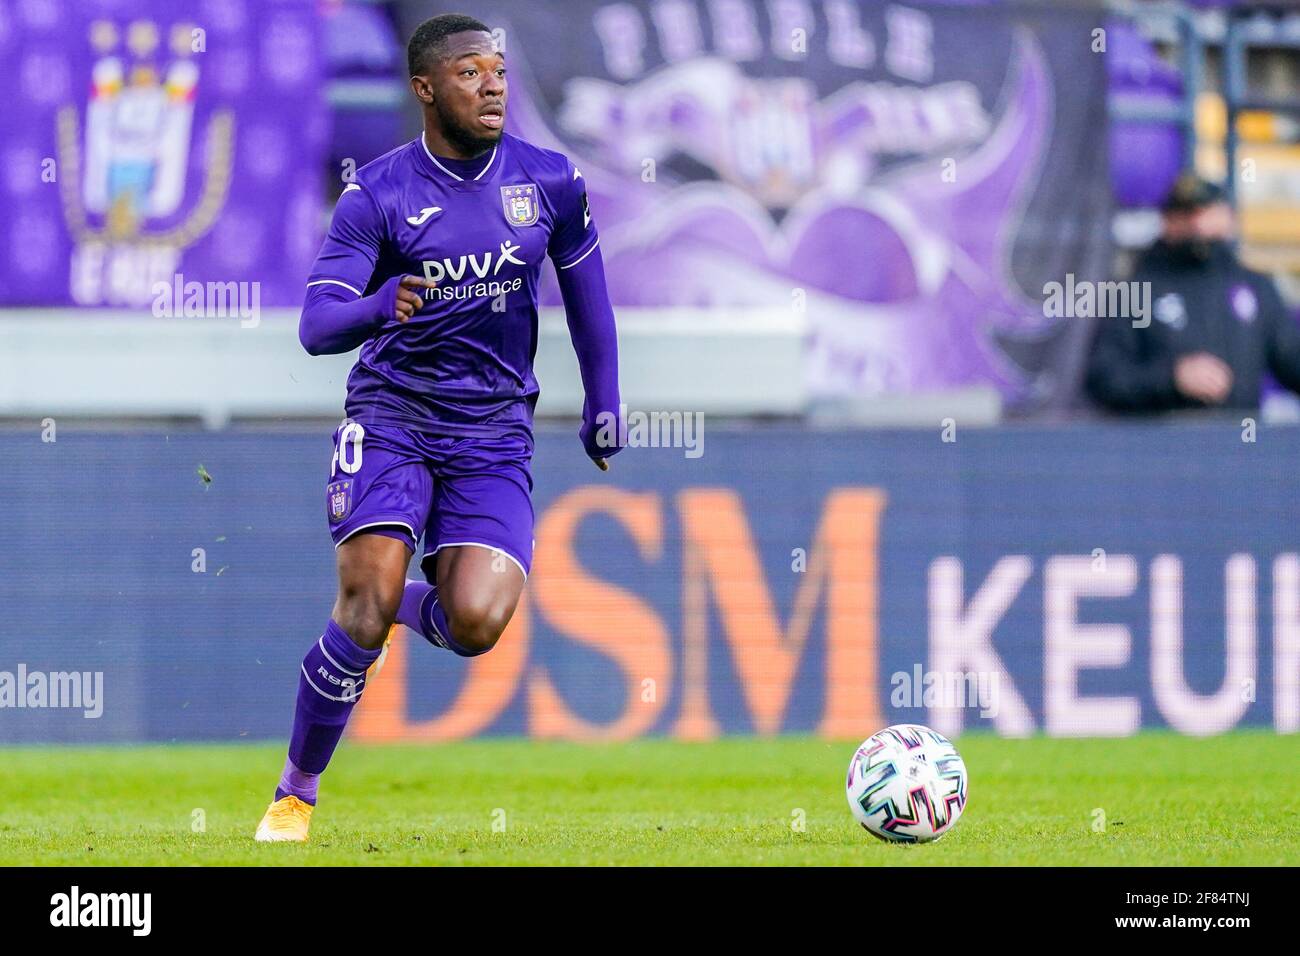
(595, 339)
(337, 316)
(575, 232)
(334, 320)
(356, 235)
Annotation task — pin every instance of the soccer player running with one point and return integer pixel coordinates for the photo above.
(431, 265)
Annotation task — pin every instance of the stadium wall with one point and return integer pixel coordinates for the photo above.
(109, 363)
(1089, 580)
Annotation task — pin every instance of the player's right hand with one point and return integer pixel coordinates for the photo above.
(408, 302)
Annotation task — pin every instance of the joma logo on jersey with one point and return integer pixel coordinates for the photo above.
(419, 218)
(488, 264)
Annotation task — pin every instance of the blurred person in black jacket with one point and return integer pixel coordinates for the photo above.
(1215, 326)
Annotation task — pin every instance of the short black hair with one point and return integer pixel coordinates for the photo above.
(429, 39)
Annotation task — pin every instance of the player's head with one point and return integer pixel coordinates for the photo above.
(459, 76)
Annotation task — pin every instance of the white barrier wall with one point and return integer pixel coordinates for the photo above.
(55, 362)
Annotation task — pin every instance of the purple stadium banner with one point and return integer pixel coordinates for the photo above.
(146, 140)
(905, 174)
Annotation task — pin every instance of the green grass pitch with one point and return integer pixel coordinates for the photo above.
(1165, 799)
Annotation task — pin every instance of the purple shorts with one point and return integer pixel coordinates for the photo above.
(454, 491)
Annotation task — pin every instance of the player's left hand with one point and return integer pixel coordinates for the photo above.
(597, 445)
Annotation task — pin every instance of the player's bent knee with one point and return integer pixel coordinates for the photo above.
(366, 618)
(477, 630)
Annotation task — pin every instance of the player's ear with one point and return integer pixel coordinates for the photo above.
(422, 89)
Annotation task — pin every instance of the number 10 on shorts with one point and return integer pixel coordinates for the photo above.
(347, 451)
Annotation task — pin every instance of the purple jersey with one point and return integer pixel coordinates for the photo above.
(464, 364)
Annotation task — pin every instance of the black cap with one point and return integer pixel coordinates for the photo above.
(1192, 192)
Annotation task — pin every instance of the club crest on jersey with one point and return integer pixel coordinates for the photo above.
(520, 204)
(340, 499)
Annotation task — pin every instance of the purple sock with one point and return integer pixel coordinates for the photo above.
(421, 611)
(330, 683)
(301, 784)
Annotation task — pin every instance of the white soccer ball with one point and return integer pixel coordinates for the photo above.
(907, 784)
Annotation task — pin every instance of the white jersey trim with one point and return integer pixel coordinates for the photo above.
(391, 522)
(479, 544)
(491, 159)
(581, 257)
(334, 282)
(460, 179)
